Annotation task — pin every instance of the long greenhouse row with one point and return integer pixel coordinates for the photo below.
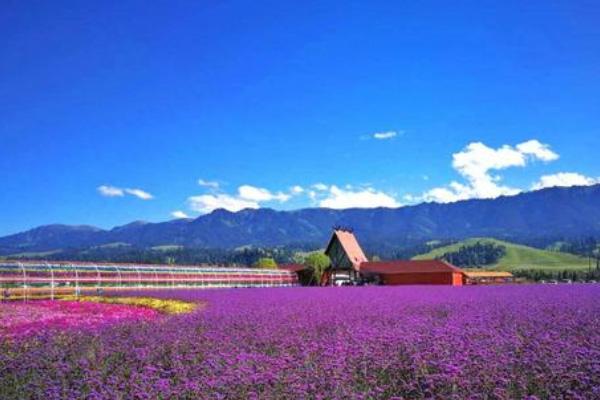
(75, 277)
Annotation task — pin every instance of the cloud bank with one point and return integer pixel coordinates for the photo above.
(357, 198)
(564, 179)
(247, 196)
(477, 162)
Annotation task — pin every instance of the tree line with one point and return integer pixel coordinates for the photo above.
(475, 255)
(177, 255)
(592, 274)
(584, 246)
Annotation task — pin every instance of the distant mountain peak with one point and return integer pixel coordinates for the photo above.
(135, 223)
(559, 212)
(73, 227)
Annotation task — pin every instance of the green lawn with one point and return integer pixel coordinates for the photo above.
(519, 257)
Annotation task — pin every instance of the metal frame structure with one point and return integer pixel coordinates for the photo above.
(28, 278)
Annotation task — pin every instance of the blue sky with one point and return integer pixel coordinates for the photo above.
(148, 110)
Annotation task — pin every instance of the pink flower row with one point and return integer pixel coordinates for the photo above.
(19, 319)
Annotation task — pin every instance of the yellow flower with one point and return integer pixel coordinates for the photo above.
(166, 306)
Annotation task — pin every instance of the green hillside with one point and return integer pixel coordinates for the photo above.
(518, 257)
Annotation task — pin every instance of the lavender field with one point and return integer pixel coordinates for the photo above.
(328, 343)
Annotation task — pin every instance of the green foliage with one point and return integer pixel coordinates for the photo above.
(298, 258)
(246, 256)
(518, 257)
(476, 255)
(583, 246)
(592, 274)
(266, 263)
(405, 250)
(316, 263)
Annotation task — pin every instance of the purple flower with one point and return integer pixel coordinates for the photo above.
(326, 343)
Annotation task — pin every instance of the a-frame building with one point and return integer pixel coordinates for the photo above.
(345, 254)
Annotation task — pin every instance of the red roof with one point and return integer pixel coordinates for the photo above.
(350, 246)
(292, 267)
(407, 267)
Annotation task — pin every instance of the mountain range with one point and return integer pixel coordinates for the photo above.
(546, 213)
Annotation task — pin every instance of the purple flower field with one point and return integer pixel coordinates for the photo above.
(328, 343)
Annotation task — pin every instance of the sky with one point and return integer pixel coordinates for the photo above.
(112, 112)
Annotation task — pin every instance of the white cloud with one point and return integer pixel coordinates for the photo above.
(456, 191)
(564, 179)
(385, 135)
(179, 215)
(139, 193)
(537, 150)
(296, 190)
(411, 198)
(257, 194)
(208, 184)
(364, 198)
(113, 191)
(207, 203)
(110, 191)
(476, 162)
(247, 197)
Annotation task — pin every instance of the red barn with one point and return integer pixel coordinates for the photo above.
(349, 265)
(421, 272)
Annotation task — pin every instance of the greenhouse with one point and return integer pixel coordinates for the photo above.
(29, 278)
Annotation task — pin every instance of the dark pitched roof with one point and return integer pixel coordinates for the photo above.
(407, 267)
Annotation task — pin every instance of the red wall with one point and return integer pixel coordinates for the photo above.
(432, 278)
(457, 279)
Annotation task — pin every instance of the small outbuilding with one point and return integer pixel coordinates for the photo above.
(487, 277)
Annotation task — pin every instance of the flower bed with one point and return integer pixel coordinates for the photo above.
(168, 306)
(22, 319)
(331, 343)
